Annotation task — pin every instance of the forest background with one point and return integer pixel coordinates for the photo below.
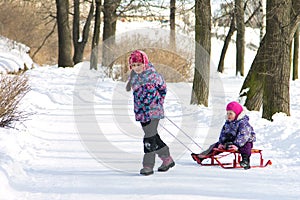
(77, 28)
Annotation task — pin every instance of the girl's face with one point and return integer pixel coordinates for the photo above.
(230, 115)
(137, 67)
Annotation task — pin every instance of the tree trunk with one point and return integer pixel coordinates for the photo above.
(226, 43)
(200, 91)
(228, 38)
(109, 29)
(96, 35)
(253, 85)
(79, 43)
(240, 37)
(172, 24)
(276, 96)
(295, 17)
(64, 34)
(296, 54)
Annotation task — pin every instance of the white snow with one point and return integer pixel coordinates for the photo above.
(14, 56)
(83, 143)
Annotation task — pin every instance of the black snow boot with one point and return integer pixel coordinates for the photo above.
(245, 163)
(197, 157)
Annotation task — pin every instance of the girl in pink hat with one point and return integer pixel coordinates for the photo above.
(149, 91)
(236, 134)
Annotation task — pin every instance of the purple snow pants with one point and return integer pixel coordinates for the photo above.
(246, 149)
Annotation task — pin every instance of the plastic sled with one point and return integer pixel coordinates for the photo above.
(217, 157)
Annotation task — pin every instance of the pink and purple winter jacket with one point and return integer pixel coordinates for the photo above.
(149, 91)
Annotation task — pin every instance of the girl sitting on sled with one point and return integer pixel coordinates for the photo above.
(236, 134)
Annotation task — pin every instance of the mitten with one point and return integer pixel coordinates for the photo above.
(221, 146)
(233, 147)
(128, 86)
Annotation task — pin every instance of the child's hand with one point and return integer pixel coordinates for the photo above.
(221, 146)
(233, 147)
(128, 85)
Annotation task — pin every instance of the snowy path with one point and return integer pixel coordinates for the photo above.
(60, 155)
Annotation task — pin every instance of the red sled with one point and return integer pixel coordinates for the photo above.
(217, 157)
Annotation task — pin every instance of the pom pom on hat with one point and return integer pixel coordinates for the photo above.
(235, 107)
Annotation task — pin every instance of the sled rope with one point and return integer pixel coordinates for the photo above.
(176, 138)
(184, 133)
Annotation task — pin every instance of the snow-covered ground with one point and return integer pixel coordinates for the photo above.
(83, 143)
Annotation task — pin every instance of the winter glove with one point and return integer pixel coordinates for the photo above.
(221, 146)
(128, 86)
(233, 147)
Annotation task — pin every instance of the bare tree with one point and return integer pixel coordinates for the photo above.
(80, 42)
(240, 37)
(64, 34)
(240, 44)
(296, 54)
(172, 23)
(96, 35)
(202, 52)
(109, 29)
(226, 43)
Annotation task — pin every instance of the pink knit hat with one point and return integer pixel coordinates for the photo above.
(138, 56)
(235, 107)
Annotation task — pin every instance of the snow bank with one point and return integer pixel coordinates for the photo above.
(13, 56)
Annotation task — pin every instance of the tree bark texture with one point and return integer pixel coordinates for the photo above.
(109, 30)
(64, 34)
(200, 91)
(96, 36)
(276, 96)
(172, 24)
(80, 43)
(295, 17)
(240, 37)
(226, 43)
(253, 85)
(296, 54)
